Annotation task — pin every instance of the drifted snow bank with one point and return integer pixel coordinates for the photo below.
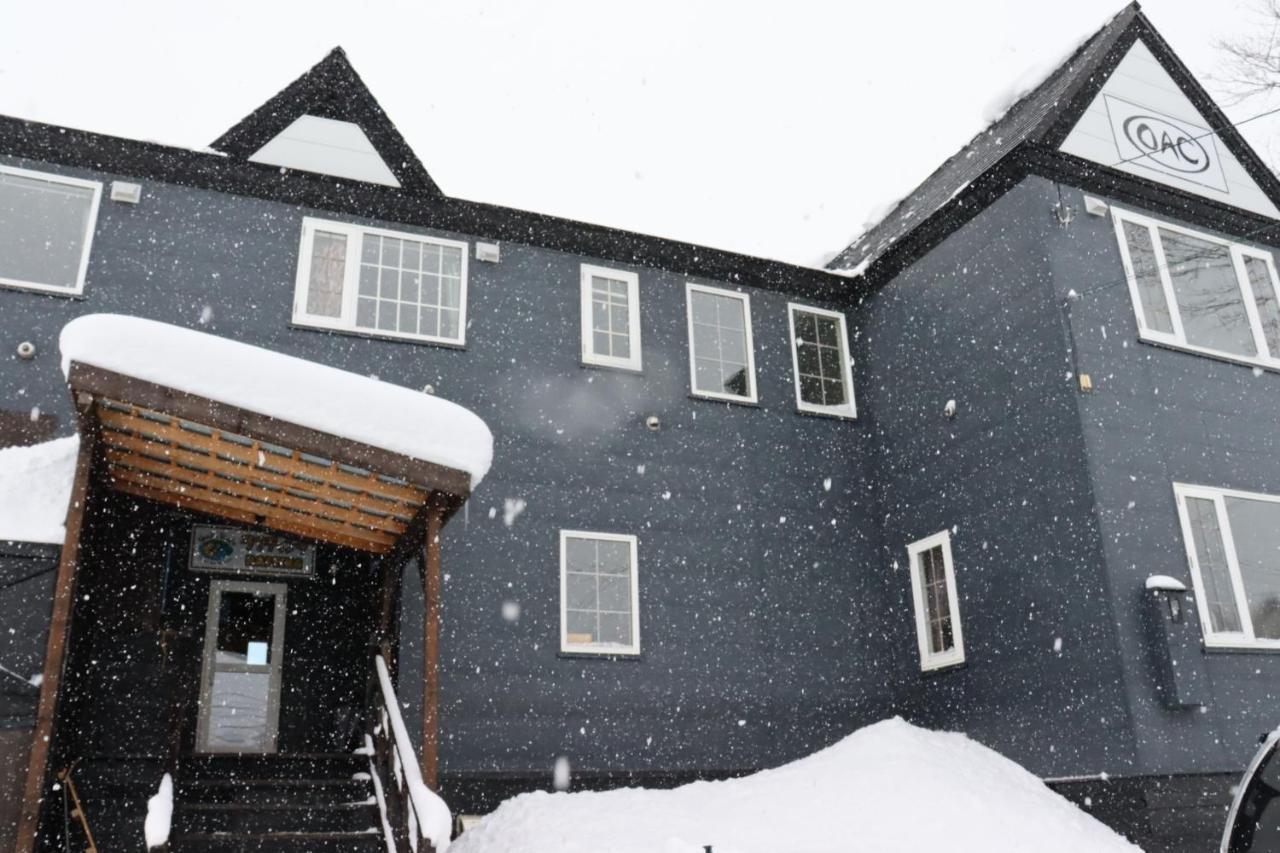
(270, 383)
(35, 486)
(888, 788)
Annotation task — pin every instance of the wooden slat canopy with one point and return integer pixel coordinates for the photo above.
(175, 448)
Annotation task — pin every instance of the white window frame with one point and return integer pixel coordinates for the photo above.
(589, 356)
(849, 409)
(351, 281)
(599, 648)
(1245, 638)
(90, 228)
(1177, 338)
(689, 289)
(955, 655)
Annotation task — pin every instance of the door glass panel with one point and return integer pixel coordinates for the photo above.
(245, 620)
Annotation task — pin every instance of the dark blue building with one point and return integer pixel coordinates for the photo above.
(1007, 466)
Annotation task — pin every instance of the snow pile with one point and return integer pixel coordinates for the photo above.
(159, 815)
(291, 389)
(35, 486)
(888, 788)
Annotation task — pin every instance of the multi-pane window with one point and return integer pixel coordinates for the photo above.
(721, 363)
(933, 589)
(46, 227)
(610, 318)
(820, 352)
(381, 282)
(1200, 292)
(598, 593)
(1233, 547)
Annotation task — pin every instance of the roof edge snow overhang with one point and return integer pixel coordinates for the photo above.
(189, 451)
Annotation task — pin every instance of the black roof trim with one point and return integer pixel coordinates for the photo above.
(1041, 120)
(210, 171)
(331, 89)
(1023, 120)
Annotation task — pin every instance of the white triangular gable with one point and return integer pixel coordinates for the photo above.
(1142, 123)
(329, 147)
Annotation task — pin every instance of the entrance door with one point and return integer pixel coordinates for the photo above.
(240, 683)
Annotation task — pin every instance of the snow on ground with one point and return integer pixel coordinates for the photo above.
(302, 392)
(887, 788)
(35, 485)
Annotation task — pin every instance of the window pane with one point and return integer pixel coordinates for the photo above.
(246, 622)
(412, 296)
(598, 593)
(820, 355)
(1208, 294)
(328, 269)
(611, 330)
(1255, 528)
(1142, 254)
(1264, 296)
(42, 230)
(720, 344)
(1211, 556)
(933, 579)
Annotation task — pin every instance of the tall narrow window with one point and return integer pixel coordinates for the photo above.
(721, 362)
(1233, 547)
(820, 354)
(382, 283)
(46, 228)
(1200, 292)
(610, 318)
(599, 593)
(933, 588)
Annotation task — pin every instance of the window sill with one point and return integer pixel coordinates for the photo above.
(834, 416)
(612, 368)
(43, 289)
(601, 656)
(1216, 355)
(941, 668)
(733, 401)
(1239, 649)
(360, 333)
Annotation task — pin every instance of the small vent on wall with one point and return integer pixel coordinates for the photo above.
(126, 192)
(488, 252)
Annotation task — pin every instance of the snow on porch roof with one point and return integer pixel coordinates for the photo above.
(35, 485)
(315, 396)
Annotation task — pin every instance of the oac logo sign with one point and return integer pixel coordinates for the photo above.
(1151, 140)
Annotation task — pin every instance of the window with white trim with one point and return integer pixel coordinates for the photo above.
(599, 593)
(933, 589)
(1232, 540)
(1199, 292)
(46, 228)
(610, 317)
(384, 283)
(721, 363)
(820, 354)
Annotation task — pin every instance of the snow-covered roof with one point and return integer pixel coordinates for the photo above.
(887, 788)
(280, 386)
(35, 485)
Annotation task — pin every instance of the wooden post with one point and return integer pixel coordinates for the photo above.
(56, 649)
(431, 649)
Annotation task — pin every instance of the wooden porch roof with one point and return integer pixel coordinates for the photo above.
(187, 451)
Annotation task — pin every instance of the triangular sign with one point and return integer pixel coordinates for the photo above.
(1141, 122)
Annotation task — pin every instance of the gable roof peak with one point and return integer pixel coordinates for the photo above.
(333, 90)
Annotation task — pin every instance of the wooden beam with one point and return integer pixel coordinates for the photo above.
(308, 506)
(123, 427)
(431, 647)
(226, 507)
(55, 655)
(202, 410)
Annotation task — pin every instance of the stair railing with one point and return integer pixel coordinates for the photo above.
(417, 818)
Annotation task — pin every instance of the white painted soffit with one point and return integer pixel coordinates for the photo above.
(1143, 124)
(328, 147)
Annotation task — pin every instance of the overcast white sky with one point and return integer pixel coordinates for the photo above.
(768, 128)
